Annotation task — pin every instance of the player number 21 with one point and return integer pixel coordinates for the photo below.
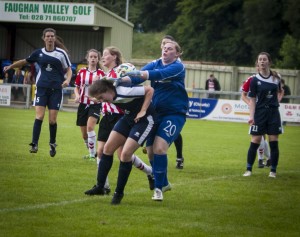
(254, 128)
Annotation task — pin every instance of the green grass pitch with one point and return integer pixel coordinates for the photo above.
(44, 196)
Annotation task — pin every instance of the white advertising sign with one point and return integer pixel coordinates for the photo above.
(5, 92)
(47, 12)
(238, 111)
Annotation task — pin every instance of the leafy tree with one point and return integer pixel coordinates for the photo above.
(292, 17)
(210, 30)
(290, 53)
(155, 15)
(264, 29)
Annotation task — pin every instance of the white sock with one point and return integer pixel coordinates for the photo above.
(138, 163)
(86, 143)
(267, 150)
(92, 142)
(260, 150)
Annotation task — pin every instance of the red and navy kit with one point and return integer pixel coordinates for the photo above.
(266, 116)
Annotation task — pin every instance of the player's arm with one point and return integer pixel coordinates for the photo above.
(252, 106)
(149, 91)
(280, 93)
(245, 98)
(68, 77)
(18, 64)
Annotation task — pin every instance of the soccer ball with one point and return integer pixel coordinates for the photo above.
(124, 68)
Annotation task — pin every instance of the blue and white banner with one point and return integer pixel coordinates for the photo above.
(234, 110)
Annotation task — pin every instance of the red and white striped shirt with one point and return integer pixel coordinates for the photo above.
(83, 80)
(109, 107)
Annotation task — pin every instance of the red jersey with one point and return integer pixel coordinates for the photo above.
(109, 107)
(246, 85)
(83, 80)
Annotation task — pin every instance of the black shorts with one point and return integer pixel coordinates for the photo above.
(139, 131)
(52, 98)
(267, 121)
(106, 125)
(85, 111)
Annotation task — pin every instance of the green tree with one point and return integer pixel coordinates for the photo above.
(292, 17)
(210, 30)
(156, 15)
(264, 28)
(290, 52)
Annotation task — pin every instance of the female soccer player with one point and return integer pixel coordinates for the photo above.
(171, 103)
(264, 146)
(178, 142)
(54, 64)
(88, 112)
(265, 93)
(130, 132)
(111, 113)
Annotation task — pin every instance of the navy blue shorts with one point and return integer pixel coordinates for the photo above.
(106, 125)
(168, 128)
(52, 98)
(139, 131)
(85, 111)
(267, 121)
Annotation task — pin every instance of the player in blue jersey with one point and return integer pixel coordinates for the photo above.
(265, 93)
(131, 130)
(178, 142)
(170, 99)
(55, 73)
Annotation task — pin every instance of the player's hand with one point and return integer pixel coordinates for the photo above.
(6, 68)
(251, 121)
(77, 99)
(116, 81)
(65, 84)
(139, 115)
(135, 73)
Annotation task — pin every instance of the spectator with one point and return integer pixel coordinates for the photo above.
(212, 84)
(6, 78)
(18, 78)
(28, 79)
(140, 28)
(287, 91)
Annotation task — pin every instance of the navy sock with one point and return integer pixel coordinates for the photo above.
(124, 172)
(160, 169)
(37, 126)
(178, 145)
(52, 129)
(104, 167)
(251, 155)
(274, 155)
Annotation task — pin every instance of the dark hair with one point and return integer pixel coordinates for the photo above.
(100, 87)
(59, 42)
(273, 73)
(169, 37)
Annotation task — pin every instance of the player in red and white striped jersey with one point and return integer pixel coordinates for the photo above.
(88, 113)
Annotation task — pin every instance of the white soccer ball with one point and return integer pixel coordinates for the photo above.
(124, 68)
